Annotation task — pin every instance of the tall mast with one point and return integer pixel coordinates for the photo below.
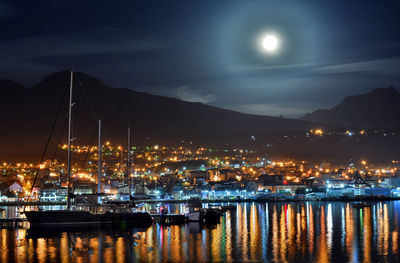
(69, 139)
(99, 153)
(129, 163)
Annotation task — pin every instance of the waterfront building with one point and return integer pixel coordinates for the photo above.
(379, 192)
(84, 188)
(52, 193)
(337, 183)
(391, 182)
(284, 188)
(141, 191)
(266, 179)
(372, 181)
(340, 192)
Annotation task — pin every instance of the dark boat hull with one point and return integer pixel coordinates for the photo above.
(65, 217)
(212, 216)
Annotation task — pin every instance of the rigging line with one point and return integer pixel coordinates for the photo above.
(87, 154)
(55, 151)
(47, 144)
(84, 95)
(59, 139)
(90, 144)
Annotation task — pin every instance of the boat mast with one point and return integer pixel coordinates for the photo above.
(69, 139)
(129, 163)
(99, 153)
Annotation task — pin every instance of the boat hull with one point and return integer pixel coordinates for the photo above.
(212, 215)
(65, 217)
(194, 216)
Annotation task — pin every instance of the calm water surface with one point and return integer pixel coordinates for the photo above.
(255, 232)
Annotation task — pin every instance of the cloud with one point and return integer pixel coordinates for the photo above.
(291, 110)
(381, 66)
(186, 93)
(55, 52)
(249, 68)
(387, 67)
(54, 45)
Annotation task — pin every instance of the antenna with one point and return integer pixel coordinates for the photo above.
(99, 153)
(129, 162)
(69, 139)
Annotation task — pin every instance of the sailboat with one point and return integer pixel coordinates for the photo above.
(75, 216)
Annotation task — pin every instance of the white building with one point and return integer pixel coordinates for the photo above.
(391, 182)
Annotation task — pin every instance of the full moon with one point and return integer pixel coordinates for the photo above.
(270, 43)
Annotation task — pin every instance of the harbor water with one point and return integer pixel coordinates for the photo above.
(254, 232)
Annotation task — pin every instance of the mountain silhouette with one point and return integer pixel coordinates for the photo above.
(28, 116)
(377, 109)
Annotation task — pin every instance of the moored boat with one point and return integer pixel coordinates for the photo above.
(193, 210)
(78, 215)
(212, 215)
(62, 217)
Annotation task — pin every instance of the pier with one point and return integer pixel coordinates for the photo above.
(11, 222)
(31, 203)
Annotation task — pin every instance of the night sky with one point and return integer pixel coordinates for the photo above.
(209, 51)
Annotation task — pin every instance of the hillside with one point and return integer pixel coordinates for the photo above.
(28, 115)
(377, 109)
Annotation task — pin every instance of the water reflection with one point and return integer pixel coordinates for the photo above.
(255, 232)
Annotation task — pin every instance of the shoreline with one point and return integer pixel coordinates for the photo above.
(258, 200)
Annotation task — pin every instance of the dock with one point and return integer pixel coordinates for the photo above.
(31, 203)
(11, 222)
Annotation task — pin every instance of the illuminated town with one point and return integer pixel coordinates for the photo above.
(165, 173)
